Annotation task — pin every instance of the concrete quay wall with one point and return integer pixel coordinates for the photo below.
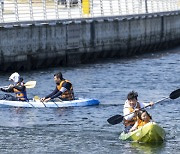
(32, 45)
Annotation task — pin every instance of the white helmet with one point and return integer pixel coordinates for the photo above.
(14, 77)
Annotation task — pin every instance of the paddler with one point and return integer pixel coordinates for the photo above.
(63, 90)
(132, 106)
(17, 87)
(143, 118)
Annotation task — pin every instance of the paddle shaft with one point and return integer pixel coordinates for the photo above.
(4, 87)
(29, 84)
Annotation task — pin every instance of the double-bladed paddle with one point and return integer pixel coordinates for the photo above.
(29, 84)
(119, 118)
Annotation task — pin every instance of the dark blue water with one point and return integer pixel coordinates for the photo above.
(85, 129)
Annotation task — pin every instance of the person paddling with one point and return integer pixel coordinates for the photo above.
(63, 90)
(17, 87)
(143, 118)
(132, 106)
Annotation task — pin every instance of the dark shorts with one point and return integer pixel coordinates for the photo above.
(9, 97)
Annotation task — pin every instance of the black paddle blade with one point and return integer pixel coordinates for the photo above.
(175, 94)
(115, 119)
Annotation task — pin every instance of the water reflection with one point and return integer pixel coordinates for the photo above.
(145, 148)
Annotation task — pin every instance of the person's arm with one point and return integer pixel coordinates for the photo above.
(9, 89)
(59, 93)
(135, 126)
(146, 104)
(126, 112)
(52, 94)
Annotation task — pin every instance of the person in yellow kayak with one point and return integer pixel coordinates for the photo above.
(131, 108)
(63, 90)
(143, 118)
(17, 87)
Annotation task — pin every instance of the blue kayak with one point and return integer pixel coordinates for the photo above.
(50, 104)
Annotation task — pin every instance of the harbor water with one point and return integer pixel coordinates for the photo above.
(85, 129)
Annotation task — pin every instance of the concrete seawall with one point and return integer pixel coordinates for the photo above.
(31, 45)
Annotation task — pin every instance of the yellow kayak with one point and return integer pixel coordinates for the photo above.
(149, 133)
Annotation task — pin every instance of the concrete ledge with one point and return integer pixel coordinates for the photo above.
(32, 45)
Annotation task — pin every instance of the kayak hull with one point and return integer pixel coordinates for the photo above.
(149, 133)
(38, 104)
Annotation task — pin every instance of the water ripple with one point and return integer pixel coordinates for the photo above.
(85, 129)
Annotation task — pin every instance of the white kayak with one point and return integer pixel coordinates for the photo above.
(39, 104)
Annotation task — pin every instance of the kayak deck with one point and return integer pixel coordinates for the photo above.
(149, 133)
(39, 104)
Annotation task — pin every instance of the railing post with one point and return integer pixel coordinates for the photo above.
(140, 6)
(101, 5)
(172, 5)
(91, 8)
(152, 6)
(119, 6)
(2, 5)
(169, 5)
(111, 7)
(56, 2)
(1, 12)
(158, 7)
(127, 9)
(80, 7)
(31, 10)
(68, 7)
(44, 9)
(16, 10)
(146, 6)
(177, 3)
(133, 6)
(164, 6)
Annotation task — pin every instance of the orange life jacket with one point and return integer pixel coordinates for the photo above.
(141, 123)
(68, 94)
(20, 95)
(133, 120)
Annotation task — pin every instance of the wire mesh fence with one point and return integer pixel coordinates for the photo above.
(32, 10)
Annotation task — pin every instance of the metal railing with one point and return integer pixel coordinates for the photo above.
(32, 10)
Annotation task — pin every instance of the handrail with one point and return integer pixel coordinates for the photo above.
(30, 10)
